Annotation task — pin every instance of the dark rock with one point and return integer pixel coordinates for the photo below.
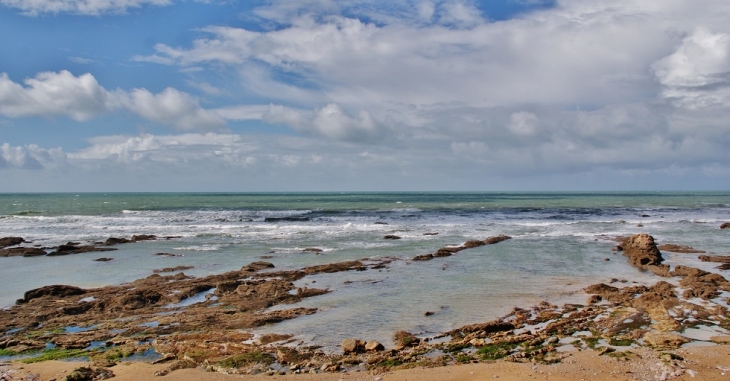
(139, 299)
(724, 266)
(496, 239)
(168, 255)
(57, 291)
(143, 237)
(424, 257)
(380, 223)
(391, 236)
(680, 249)
(312, 250)
(10, 241)
(488, 327)
(593, 299)
(428, 313)
(172, 269)
(103, 259)
(256, 266)
(443, 252)
(115, 241)
(715, 258)
(472, 244)
(725, 225)
(22, 252)
(430, 233)
(70, 248)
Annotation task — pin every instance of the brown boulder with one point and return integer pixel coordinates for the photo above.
(725, 225)
(144, 237)
(256, 266)
(405, 339)
(10, 241)
(680, 249)
(139, 299)
(352, 346)
(497, 239)
(472, 244)
(664, 340)
(715, 258)
(641, 251)
(57, 291)
(424, 257)
(73, 248)
(22, 252)
(374, 346)
(115, 241)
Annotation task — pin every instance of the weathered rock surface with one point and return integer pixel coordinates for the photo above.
(715, 258)
(10, 241)
(497, 239)
(257, 266)
(172, 269)
(641, 251)
(404, 339)
(680, 249)
(664, 340)
(725, 225)
(55, 291)
(22, 252)
(374, 346)
(75, 248)
(89, 374)
(352, 346)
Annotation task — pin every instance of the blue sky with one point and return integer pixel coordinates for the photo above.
(207, 95)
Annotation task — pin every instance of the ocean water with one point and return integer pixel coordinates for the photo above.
(560, 244)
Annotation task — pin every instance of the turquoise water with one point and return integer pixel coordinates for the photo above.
(560, 243)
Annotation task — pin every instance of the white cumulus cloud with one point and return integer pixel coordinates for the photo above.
(83, 7)
(697, 74)
(81, 98)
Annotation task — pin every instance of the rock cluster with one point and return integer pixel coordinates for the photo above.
(451, 250)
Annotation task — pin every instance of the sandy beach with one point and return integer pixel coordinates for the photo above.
(700, 363)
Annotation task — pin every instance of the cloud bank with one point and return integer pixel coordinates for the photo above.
(424, 94)
(81, 98)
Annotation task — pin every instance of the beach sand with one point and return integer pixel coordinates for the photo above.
(700, 363)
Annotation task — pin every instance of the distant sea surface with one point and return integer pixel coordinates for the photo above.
(560, 243)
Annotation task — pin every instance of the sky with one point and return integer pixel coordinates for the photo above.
(364, 95)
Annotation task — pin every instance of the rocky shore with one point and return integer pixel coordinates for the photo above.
(185, 322)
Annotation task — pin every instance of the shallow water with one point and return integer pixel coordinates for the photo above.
(560, 243)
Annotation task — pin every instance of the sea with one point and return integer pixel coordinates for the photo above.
(561, 242)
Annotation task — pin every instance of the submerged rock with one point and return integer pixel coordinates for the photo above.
(74, 248)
